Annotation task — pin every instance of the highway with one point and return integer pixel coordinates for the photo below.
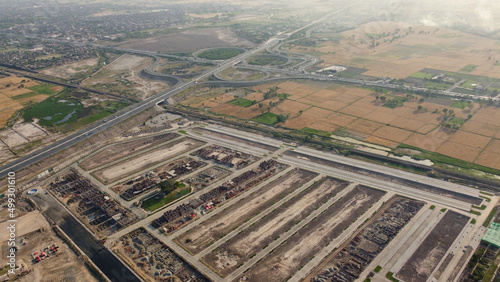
(121, 116)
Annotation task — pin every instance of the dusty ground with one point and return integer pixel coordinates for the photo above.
(122, 77)
(11, 138)
(401, 51)
(29, 131)
(298, 249)
(143, 161)
(188, 41)
(229, 255)
(10, 86)
(358, 112)
(117, 151)
(427, 256)
(36, 234)
(72, 69)
(198, 238)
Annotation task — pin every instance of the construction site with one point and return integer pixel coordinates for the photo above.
(267, 212)
(154, 261)
(347, 263)
(100, 213)
(150, 180)
(176, 218)
(225, 156)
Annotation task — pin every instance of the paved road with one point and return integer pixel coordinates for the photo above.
(124, 114)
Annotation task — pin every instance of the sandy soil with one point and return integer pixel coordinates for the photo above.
(212, 229)
(12, 139)
(29, 131)
(149, 159)
(188, 41)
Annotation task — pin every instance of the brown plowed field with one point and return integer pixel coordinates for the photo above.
(297, 250)
(213, 229)
(241, 247)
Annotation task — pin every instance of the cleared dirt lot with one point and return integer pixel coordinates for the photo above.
(73, 69)
(145, 160)
(117, 151)
(430, 252)
(200, 237)
(122, 77)
(351, 258)
(188, 41)
(241, 247)
(286, 259)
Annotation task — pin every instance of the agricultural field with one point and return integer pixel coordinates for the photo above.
(200, 237)
(299, 249)
(145, 160)
(400, 50)
(122, 77)
(463, 130)
(17, 93)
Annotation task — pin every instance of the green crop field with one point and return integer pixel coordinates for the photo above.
(317, 132)
(460, 104)
(468, 68)
(267, 118)
(241, 102)
(220, 53)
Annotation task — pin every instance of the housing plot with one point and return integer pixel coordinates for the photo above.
(182, 214)
(208, 176)
(120, 150)
(428, 255)
(347, 263)
(153, 260)
(147, 159)
(227, 257)
(150, 180)
(213, 229)
(299, 249)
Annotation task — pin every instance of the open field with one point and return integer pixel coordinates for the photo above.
(430, 252)
(90, 205)
(207, 177)
(241, 74)
(438, 125)
(399, 50)
(188, 41)
(118, 151)
(200, 237)
(297, 250)
(122, 77)
(71, 70)
(350, 259)
(165, 265)
(135, 164)
(241, 247)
